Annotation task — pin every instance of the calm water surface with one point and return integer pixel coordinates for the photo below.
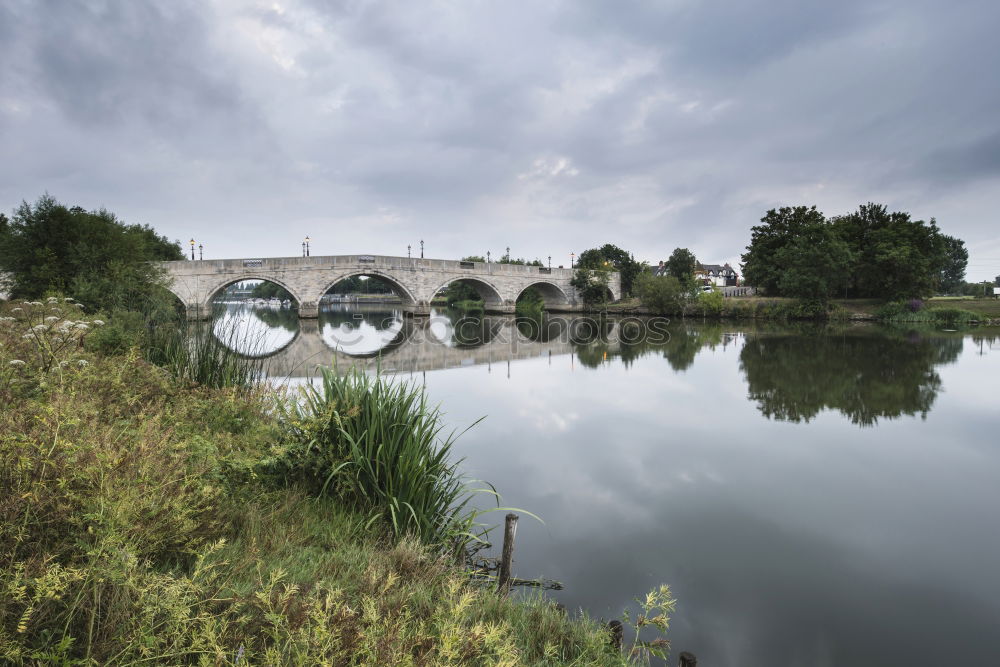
(813, 495)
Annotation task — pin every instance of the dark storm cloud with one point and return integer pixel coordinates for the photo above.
(548, 126)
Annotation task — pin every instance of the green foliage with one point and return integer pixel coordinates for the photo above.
(461, 292)
(761, 267)
(868, 253)
(899, 311)
(662, 295)
(268, 290)
(592, 285)
(611, 257)
(136, 527)
(815, 264)
(92, 255)
(681, 265)
(710, 304)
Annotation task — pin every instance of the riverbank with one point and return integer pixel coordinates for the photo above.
(147, 518)
(939, 309)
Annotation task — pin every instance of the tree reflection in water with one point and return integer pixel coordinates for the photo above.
(865, 375)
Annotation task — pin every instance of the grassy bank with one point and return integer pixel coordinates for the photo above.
(938, 310)
(149, 518)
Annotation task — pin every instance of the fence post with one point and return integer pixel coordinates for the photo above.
(617, 633)
(687, 660)
(507, 556)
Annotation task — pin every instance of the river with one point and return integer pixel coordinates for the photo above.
(814, 495)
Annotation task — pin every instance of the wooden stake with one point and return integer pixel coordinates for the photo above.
(687, 660)
(507, 556)
(617, 634)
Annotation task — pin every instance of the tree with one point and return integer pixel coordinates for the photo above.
(761, 267)
(609, 257)
(682, 265)
(663, 295)
(592, 285)
(92, 256)
(894, 257)
(955, 258)
(815, 265)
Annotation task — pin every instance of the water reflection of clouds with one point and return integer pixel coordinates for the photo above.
(360, 338)
(242, 330)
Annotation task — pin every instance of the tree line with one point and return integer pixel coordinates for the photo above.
(872, 252)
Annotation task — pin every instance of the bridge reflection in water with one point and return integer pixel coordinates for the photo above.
(378, 336)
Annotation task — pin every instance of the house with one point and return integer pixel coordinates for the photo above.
(715, 274)
(708, 274)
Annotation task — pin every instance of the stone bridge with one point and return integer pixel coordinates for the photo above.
(415, 280)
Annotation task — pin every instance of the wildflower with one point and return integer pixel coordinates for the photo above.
(63, 364)
(99, 323)
(52, 299)
(58, 339)
(28, 336)
(40, 328)
(82, 326)
(79, 305)
(34, 303)
(51, 318)
(82, 362)
(68, 299)
(16, 363)
(17, 310)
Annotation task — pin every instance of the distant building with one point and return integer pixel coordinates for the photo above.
(718, 275)
(709, 274)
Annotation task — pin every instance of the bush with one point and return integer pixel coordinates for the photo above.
(663, 295)
(711, 303)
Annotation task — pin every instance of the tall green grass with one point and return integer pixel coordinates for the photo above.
(377, 444)
(193, 353)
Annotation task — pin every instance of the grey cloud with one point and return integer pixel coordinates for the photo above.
(679, 123)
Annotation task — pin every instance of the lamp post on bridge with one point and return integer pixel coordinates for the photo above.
(572, 256)
(407, 251)
(421, 248)
(192, 250)
(201, 252)
(487, 256)
(307, 246)
(550, 262)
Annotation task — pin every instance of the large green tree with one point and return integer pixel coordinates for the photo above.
(611, 257)
(955, 260)
(682, 265)
(895, 257)
(778, 228)
(90, 255)
(815, 265)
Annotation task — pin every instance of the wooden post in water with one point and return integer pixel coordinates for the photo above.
(617, 634)
(507, 556)
(687, 660)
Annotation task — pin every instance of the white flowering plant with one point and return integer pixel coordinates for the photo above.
(39, 338)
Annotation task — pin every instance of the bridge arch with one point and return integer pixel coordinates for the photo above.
(212, 292)
(551, 294)
(486, 290)
(397, 285)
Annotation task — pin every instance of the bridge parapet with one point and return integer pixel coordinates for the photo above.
(416, 280)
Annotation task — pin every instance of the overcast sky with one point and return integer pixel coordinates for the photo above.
(547, 126)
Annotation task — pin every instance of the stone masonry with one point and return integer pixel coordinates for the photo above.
(415, 280)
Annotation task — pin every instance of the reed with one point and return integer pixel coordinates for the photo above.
(195, 354)
(380, 446)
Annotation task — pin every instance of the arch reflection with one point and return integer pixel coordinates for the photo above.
(362, 331)
(254, 331)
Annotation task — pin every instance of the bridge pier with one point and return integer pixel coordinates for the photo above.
(308, 310)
